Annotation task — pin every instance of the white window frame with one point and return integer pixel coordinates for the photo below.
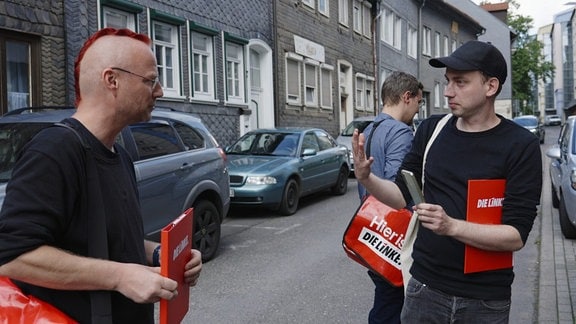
(369, 97)
(357, 16)
(343, 12)
(426, 41)
(235, 78)
(454, 45)
(360, 91)
(167, 69)
(293, 98)
(446, 44)
(366, 20)
(397, 42)
(309, 3)
(129, 16)
(206, 77)
(311, 82)
(412, 50)
(326, 93)
(324, 7)
(437, 95)
(387, 26)
(437, 44)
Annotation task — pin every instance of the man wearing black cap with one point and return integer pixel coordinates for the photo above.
(475, 144)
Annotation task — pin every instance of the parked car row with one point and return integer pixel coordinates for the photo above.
(563, 177)
(177, 161)
(533, 124)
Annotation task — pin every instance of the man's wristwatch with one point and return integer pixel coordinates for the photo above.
(156, 256)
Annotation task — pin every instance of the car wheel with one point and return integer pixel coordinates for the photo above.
(341, 185)
(290, 196)
(565, 224)
(206, 229)
(555, 201)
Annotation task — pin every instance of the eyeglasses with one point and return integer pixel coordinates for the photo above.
(421, 103)
(153, 82)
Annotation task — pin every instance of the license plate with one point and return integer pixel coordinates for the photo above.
(231, 192)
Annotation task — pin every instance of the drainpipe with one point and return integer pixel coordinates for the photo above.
(419, 48)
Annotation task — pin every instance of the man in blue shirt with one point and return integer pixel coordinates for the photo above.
(390, 137)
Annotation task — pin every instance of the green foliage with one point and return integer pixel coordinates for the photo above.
(528, 62)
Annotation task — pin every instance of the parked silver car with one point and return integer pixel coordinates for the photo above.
(563, 177)
(178, 165)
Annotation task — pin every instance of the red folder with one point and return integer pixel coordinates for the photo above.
(484, 206)
(176, 240)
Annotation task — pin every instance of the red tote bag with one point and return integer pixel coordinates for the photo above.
(375, 236)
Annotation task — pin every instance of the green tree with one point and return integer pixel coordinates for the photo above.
(528, 62)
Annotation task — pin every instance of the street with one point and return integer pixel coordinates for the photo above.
(274, 269)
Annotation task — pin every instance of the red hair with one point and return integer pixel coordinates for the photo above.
(102, 32)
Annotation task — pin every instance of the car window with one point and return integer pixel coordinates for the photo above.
(360, 124)
(310, 142)
(153, 140)
(324, 140)
(12, 138)
(526, 121)
(190, 137)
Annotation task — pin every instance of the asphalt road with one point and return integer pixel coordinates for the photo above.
(276, 269)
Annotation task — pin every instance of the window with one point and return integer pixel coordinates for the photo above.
(202, 66)
(190, 137)
(366, 20)
(397, 43)
(437, 95)
(293, 83)
(437, 44)
(20, 67)
(454, 45)
(166, 47)
(153, 140)
(412, 42)
(115, 18)
(326, 86)
(357, 16)
(324, 140)
(311, 83)
(426, 41)
(343, 7)
(309, 3)
(255, 75)
(360, 96)
(391, 26)
(369, 100)
(387, 26)
(323, 7)
(446, 52)
(235, 72)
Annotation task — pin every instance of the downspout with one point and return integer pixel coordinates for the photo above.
(275, 65)
(419, 47)
(376, 55)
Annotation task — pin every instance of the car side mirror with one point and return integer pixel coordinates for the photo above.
(554, 153)
(309, 152)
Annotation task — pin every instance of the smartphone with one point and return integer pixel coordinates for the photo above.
(413, 187)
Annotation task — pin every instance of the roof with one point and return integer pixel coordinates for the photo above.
(492, 7)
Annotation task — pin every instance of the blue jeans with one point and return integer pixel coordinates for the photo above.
(426, 305)
(388, 301)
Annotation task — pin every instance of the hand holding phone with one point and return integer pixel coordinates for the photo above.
(413, 187)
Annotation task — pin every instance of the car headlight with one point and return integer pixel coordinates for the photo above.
(261, 180)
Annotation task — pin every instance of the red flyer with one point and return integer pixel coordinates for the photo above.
(176, 240)
(484, 206)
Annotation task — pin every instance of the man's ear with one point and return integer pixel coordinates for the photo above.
(493, 84)
(406, 97)
(110, 79)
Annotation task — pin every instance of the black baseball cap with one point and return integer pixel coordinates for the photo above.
(475, 56)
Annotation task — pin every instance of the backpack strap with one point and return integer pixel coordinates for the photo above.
(369, 142)
(93, 203)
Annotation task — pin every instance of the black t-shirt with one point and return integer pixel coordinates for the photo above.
(506, 151)
(43, 207)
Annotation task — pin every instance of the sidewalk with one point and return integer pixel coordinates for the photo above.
(556, 300)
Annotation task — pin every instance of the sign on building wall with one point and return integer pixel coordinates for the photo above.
(309, 49)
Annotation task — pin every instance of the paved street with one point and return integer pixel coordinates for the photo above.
(292, 269)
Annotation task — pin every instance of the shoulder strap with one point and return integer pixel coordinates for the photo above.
(369, 143)
(93, 203)
(441, 123)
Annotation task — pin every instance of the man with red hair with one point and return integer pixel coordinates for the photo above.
(44, 226)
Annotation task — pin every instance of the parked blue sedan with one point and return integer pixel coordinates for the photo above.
(275, 167)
